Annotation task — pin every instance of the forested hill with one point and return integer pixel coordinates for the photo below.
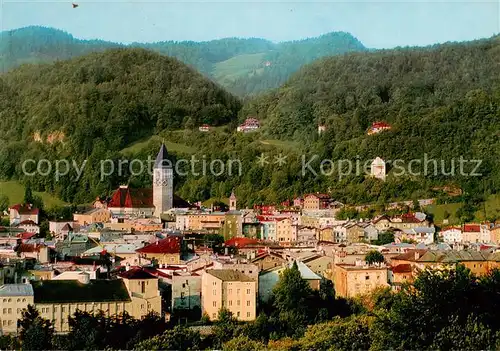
(110, 98)
(243, 66)
(40, 44)
(442, 100)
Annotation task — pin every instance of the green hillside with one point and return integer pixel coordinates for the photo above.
(443, 103)
(93, 106)
(234, 63)
(15, 192)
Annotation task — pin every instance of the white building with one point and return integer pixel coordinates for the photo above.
(378, 169)
(452, 235)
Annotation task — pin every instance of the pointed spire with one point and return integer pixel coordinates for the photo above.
(232, 196)
(162, 160)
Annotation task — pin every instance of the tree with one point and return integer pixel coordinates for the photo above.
(225, 326)
(384, 238)
(87, 332)
(28, 195)
(35, 332)
(291, 292)
(179, 338)
(374, 256)
(4, 202)
(243, 343)
(351, 333)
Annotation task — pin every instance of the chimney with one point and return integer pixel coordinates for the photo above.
(417, 255)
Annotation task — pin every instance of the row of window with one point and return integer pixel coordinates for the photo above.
(10, 300)
(214, 292)
(7, 323)
(214, 315)
(230, 303)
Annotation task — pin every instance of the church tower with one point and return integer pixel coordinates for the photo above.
(163, 182)
(232, 202)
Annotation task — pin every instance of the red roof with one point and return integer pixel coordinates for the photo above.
(402, 268)
(25, 235)
(137, 273)
(27, 222)
(381, 125)
(241, 242)
(25, 209)
(409, 218)
(474, 228)
(126, 197)
(410, 255)
(29, 248)
(171, 245)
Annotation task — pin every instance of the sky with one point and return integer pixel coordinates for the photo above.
(376, 24)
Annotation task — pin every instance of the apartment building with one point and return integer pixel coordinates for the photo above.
(354, 280)
(229, 289)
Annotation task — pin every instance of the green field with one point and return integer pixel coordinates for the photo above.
(139, 145)
(438, 211)
(491, 207)
(286, 145)
(238, 66)
(15, 193)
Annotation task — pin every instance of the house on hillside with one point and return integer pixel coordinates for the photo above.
(250, 125)
(204, 128)
(378, 127)
(23, 212)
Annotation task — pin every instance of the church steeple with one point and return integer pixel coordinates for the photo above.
(232, 201)
(163, 182)
(162, 160)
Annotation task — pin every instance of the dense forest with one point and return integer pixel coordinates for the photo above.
(237, 64)
(443, 103)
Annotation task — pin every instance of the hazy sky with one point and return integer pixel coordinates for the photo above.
(376, 24)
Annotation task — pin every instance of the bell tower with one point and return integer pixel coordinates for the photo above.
(163, 182)
(232, 202)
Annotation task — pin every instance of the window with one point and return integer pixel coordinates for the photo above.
(143, 287)
(248, 303)
(183, 285)
(4, 311)
(10, 311)
(214, 315)
(214, 292)
(248, 314)
(238, 302)
(230, 291)
(237, 291)
(142, 306)
(248, 291)
(214, 283)
(238, 314)
(230, 302)
(214, 304)
(367, 277)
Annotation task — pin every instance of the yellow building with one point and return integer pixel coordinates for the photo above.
(165, 251)
(96, 215)
(135, 293)
(13, 299)
(285, 231)
(316, 201)
(309, 221)
(230, 289)
(354, 280)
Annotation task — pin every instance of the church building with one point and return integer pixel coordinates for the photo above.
(147, 202)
